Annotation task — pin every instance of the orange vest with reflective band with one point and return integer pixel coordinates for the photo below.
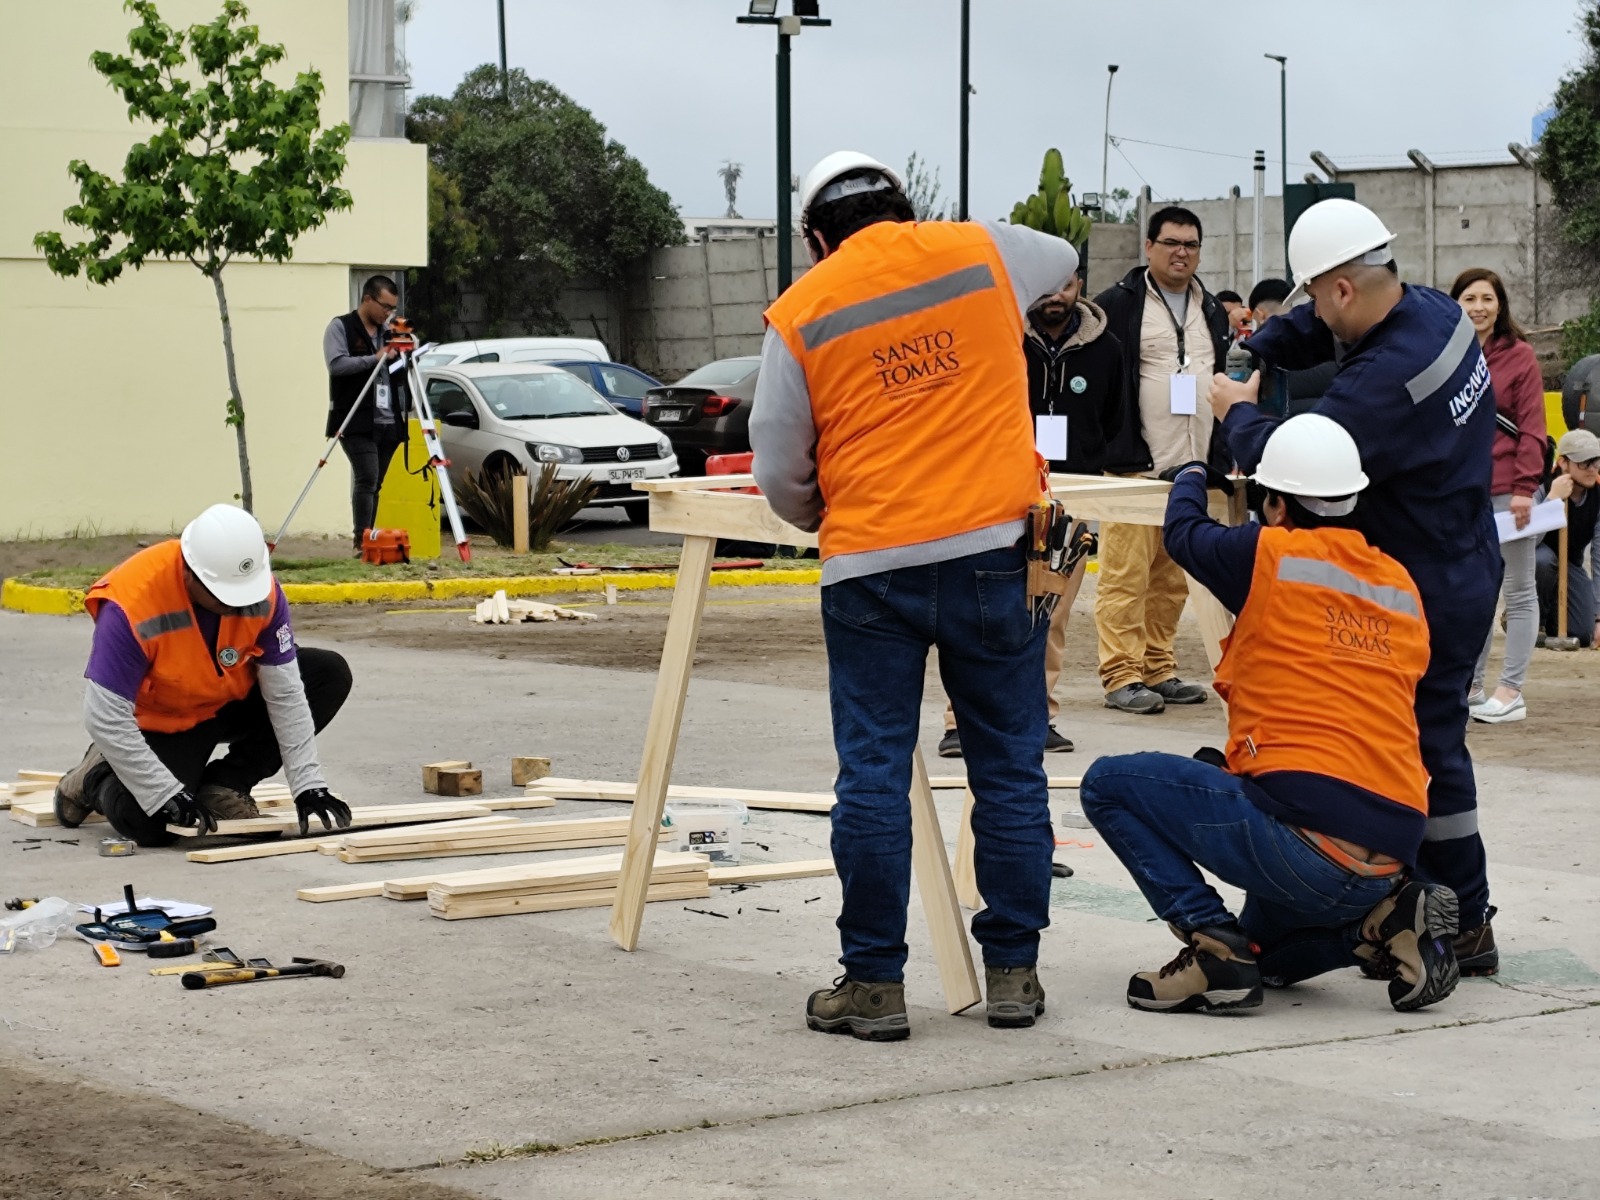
(1320, 672)
(186, 683)
(911, 343)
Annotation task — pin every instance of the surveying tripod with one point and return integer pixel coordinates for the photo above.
(400, 337)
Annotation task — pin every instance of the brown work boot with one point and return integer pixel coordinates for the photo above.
(1014, 996)
(873, 1012)
(1476, 953)
(225, 804)
(1415, 926)
(1215, 972)
(73, 804)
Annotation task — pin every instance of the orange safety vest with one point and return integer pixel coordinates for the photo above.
(1320, 671)
(911, 343)
(186, 684)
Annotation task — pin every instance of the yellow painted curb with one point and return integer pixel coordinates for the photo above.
(54, 601)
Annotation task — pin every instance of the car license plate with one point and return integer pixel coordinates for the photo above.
(622, 474)
(670, 415)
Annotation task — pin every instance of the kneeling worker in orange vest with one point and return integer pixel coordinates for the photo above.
(193, 649)
(892, 416)
(1319, 807)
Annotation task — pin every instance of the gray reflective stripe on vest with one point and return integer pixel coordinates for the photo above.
(255, 610)
(896, 304)
(164, 623)
(1437, 373)
(1325, 574)
(1448, 829)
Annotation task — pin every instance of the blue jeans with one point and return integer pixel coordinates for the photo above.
(991, 660)
(1166, 817)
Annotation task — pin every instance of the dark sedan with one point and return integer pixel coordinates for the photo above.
(707, 411)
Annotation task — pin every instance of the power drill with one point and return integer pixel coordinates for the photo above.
(1272, 395)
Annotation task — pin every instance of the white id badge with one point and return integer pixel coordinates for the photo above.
(1184, 396)
(1050, 437)
(381, 395)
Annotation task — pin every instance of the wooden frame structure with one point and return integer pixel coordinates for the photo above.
(705, 509)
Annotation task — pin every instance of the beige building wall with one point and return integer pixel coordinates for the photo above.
(115, 396)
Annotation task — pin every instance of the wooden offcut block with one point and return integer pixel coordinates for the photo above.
(430, 773)
(460, 781)
(526, 768)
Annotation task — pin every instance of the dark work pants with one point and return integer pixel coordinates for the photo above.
(243, 726)
(369, 455)
(1458, 600)
(1580, 598)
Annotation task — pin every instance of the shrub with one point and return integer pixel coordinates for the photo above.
(552, 503)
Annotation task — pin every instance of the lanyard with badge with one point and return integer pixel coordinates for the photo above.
(1181, 387)
(1050, 430)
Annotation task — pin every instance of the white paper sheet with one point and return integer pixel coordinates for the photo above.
(1552, 514)
(1050, 437)
(1184, 396)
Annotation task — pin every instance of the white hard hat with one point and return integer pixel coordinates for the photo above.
(225, 549)
(1331, 233)
(840, 162)
(1311, 457)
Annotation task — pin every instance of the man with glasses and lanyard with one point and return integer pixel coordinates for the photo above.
(351, 345)
(1181, 333)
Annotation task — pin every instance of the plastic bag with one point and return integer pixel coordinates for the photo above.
(37, 926)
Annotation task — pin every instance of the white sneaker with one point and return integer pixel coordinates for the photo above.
(1493, 712)
(1476, 700)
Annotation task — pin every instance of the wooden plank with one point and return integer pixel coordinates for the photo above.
(472, 882)
(461, 781)
(41, 813)
(519, 513)
(379, 814)
(225, 854)
(517, 802)
(510, 905)
(735, 515)
(661, 734)
(422, 833)
(464, 849)
(931, 866)
(525, 768)
(40, 776)
(430, 773)
(808, 868)
(340, 891)
(625, 793)
(965, 871)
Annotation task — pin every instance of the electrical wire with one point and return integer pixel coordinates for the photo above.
(1293, 162)
(1117, 146)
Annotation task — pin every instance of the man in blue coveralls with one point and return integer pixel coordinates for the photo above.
(1413, 390)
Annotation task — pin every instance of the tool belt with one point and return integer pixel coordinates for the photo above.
(1340, 857)
(1055, 546)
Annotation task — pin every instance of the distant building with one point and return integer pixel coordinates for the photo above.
(720, 228)
(116, 393)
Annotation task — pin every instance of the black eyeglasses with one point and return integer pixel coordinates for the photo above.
(1175, 244)
(388, 308)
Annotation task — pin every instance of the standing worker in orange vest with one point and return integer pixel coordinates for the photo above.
(892, 416)
(193, 649)
(1322, 802)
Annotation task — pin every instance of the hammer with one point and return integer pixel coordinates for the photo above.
(1561, 641)
(301, 966)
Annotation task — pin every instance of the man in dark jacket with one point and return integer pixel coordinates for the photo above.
(351, 346)
(1176, 334)
(1075, 377)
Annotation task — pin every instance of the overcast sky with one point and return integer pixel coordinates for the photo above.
(683, 87)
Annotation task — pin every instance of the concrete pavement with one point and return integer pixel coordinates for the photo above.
(687, 1063)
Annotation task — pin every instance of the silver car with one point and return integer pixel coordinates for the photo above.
(525, 415)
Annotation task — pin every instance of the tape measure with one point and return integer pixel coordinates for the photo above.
(116, 847)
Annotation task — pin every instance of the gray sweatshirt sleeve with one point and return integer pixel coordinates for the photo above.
(285, 694)
(109, 720)
(1039, 263)
(336, 350)
(784, 437)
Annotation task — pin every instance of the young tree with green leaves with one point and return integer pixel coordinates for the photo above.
(531, 193)
(1569, 159)
(237, 167)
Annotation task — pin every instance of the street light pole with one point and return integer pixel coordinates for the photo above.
(505, 78)
(1105, 143)
(765, 12)
(1283, 141)
(966, 96)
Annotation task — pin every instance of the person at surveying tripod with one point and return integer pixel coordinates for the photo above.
(352, 345)
(192, 649)
(873, 365)
(1319, 805)
(1413, 389)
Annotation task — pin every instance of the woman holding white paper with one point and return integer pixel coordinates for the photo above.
(1519, 457)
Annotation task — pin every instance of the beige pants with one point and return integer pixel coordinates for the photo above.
(1055, 648)
(1140, 597)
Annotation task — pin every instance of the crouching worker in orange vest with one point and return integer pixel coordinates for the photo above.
(1320, 806)
(892, 416)
(193, 649)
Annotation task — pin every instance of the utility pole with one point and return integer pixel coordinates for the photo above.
(1105, 142)
(1283, 142)
(505, 78)
(966, 106)
(765, 12)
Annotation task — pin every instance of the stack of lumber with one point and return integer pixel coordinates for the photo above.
(497, 610)
(496, 835)
(26, 784)
(36, 805)
(549, 887)
(601, 789)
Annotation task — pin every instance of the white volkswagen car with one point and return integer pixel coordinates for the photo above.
(525, 415)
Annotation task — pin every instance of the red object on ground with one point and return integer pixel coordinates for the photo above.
(383, 546)
(733, 464)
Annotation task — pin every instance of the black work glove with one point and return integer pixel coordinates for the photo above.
(323, 803)
(1215, 479)
(184, 809)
